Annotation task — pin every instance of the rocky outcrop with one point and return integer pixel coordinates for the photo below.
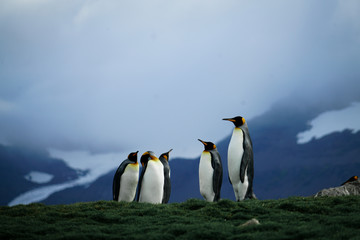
(351, 188)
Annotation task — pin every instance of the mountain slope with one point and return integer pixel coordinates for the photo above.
(16, 162)
(282, 167)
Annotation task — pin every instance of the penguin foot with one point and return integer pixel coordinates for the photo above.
(250, 196)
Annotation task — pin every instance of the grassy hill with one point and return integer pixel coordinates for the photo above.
(291, 218)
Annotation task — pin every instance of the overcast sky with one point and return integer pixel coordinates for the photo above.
(121, 76)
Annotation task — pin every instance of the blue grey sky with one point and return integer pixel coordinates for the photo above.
(121, 76)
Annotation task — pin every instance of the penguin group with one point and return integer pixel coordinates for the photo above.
(240, 161)
(154, 186)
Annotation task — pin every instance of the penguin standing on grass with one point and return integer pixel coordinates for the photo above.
(164, 158)
(126, 179)
(241, 160)
(352, 179)
(151, 182)
(210, 172)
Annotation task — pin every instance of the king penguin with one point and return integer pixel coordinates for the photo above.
(352, 179)
(164, 158)
(151, 182)
(241, 160)
(126, 179)
(210, 172)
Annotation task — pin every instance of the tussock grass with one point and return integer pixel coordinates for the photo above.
(291, 218)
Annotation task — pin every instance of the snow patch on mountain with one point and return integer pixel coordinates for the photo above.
(332, 121)
(38, 177)
(95, 165)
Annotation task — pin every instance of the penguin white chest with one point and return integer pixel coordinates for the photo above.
(206, 173)
(129, 181)
(235, 154)
(152, 187)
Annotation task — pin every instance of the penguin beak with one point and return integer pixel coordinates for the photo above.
(167, 155)
(229, 119)
(203, 142)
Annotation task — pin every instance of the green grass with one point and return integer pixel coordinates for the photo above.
(292, 218)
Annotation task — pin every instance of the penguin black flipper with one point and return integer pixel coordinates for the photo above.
(117, 179)
(246, 158)
(218, 173)
(247, 164)
(167, 184)
(250, 172)
(140, 181)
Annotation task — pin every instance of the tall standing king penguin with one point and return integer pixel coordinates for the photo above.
(241, 160)
(164, 158)
(151, 182)
(126, 179)
(210, 172)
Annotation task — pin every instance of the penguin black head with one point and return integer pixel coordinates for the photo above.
(133, 156)
(208, 145)
(238, 121)
(149, 155)
(166, 155)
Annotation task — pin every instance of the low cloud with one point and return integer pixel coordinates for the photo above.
(124, 76)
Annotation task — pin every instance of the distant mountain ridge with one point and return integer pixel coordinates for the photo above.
(283, 168)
